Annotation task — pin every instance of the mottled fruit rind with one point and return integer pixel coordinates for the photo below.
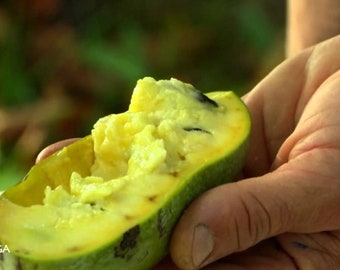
(125, 223)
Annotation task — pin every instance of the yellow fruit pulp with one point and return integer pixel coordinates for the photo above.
(134, 160)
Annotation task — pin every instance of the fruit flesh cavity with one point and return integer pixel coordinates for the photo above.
(132, 164)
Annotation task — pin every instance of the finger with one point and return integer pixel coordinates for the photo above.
(312, 251)
(267, 255)
(53, 148)
(234, 217)
(277, 103)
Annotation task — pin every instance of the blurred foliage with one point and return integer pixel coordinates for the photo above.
(64, 63)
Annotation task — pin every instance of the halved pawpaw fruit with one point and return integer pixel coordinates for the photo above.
(111, 199)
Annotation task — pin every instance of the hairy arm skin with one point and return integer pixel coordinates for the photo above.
(310, 22)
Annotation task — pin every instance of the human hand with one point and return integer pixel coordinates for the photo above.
(53, 148)
(286, 213)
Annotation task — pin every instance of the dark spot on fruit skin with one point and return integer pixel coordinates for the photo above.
(174, 174)
(152, 198)
(127, 244)
(73, 249)
(161, 223)
(204, 99)
(127, 217)
(130, 238)
(196, 129)
(1, 257)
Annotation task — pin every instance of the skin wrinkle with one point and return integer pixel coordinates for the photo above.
(308, 143)
(305, 117)
(266, 141)
(316, 251)
(316, 245)
(238, 235)
(336, 237)
(248, 221)
(280, 218)
(260, 256)
(258, 155)
(295, 112)
(336, 240)
(334, 256)
(268, 221)
(322, 251)
(293, 140)
(290, 99)
(293, 261)
(293, 258)
(311, 171)
(321, 213)
(312, 127)
(311, 86)
(313, 66)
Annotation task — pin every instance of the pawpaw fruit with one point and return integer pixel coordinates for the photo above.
(111, 199)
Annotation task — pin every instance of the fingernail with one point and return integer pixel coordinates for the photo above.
(203, 245)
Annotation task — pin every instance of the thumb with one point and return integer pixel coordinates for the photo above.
(236, 216)
(49, 150)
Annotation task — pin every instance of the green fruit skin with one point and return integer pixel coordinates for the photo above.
(146, 244)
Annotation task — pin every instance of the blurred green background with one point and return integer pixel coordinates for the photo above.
(65, 63)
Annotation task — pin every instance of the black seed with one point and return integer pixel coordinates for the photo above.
(95, 206)
(127, 244)
(196, 129)
(204, 99)
(181, 156)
